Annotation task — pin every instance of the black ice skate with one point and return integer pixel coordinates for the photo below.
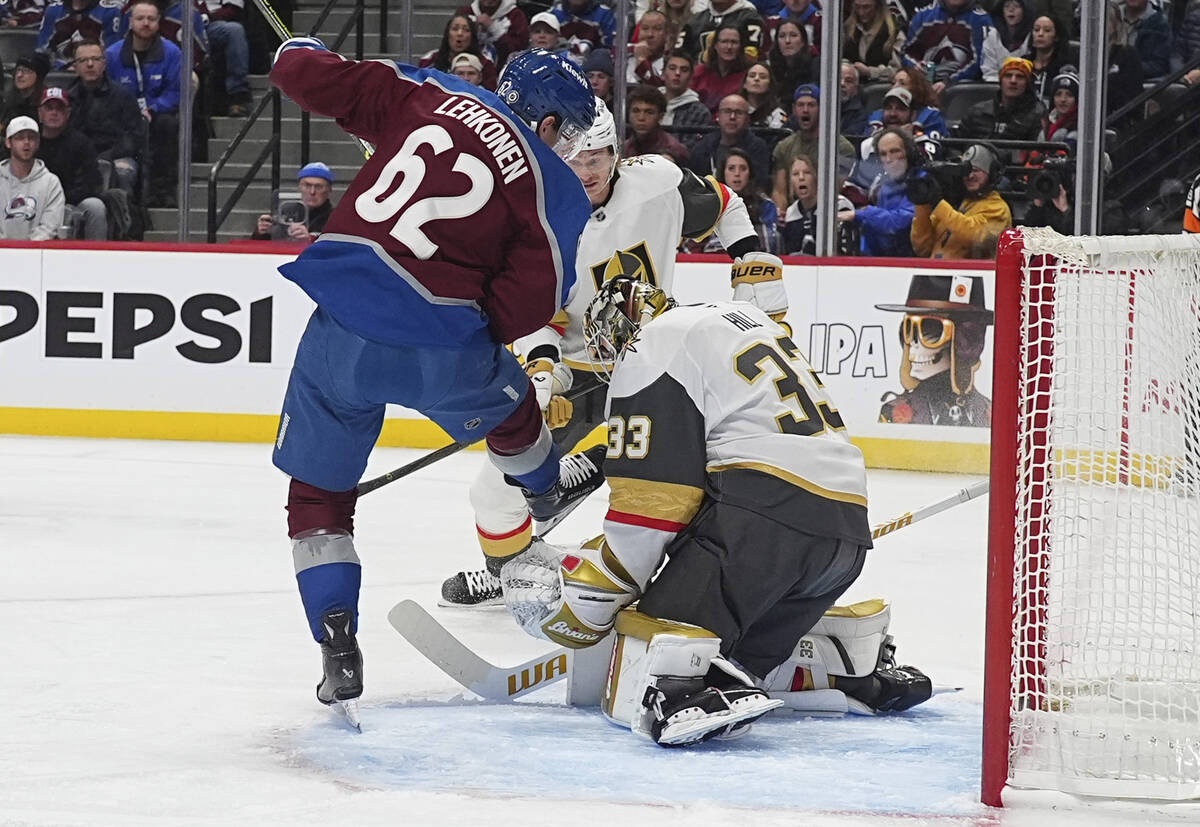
(472, 590)
(578, 475)
(342, 662)
(724, 709)
(890, 688)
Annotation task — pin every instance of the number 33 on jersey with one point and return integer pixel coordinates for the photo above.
(714, 388)
(460, 229)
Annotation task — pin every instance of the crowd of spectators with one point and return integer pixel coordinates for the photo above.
(727, 88)
(111, 135)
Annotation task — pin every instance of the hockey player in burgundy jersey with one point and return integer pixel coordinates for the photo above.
(456, 237)
(727, 459)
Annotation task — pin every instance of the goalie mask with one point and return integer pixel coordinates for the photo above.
(943, 330)
(615, 316)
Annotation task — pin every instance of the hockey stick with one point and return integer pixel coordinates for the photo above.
(498, 683)
(448, 653)
(367, 486)
(909, 517)
(283, 33)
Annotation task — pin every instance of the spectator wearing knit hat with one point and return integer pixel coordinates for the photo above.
(316, 185)
(1014, 114)
(1062, 121)
(29, 78)
(599, 70)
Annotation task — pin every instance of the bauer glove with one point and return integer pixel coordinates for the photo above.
(758, 279)
(550, 381)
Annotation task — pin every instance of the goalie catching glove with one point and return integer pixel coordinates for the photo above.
(568, 596)
(758, 279)
(550, 381)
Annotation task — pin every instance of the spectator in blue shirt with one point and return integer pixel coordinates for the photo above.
(885, 223)
(150, 68)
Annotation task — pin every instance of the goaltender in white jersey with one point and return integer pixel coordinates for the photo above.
(642, 208)
(727, 459)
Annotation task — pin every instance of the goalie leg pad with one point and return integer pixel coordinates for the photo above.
(668, 681)
(648, 652)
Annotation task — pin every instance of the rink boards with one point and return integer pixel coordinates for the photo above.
(195, 342)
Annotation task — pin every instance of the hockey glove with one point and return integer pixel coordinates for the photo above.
(569, 597)
(551, 380)
(758, 279)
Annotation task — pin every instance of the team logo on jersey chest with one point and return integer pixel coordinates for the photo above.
(634, 262)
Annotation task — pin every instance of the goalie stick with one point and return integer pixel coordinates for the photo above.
(499, 683)
(448, 653)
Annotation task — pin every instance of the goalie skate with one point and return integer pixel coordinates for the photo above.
(341, 660)
(710, 713)
(472, 590)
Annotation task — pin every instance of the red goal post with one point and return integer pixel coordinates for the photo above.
(1092, 665)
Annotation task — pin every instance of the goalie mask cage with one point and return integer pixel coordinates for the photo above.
(1092, 671)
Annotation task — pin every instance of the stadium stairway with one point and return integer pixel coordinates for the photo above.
(327, 142)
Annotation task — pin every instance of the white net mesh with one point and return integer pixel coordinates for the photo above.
(1106, 633)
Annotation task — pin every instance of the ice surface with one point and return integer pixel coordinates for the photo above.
(157, 668)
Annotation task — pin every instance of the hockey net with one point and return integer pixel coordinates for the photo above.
(1093, 641)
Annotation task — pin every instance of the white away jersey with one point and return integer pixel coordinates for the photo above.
(636, 233)
(716, 399)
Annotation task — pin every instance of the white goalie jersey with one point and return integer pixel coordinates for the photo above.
(653, 205)
(715, 400)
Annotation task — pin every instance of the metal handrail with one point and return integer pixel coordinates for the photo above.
(1147, 94)
(274, 144)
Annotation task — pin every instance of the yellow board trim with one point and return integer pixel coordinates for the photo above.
(190, 425)
(902, 454)
(924, 455)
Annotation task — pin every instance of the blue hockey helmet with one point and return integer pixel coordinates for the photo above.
(537, 83)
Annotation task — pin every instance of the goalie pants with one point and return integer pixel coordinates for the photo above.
(757, 583)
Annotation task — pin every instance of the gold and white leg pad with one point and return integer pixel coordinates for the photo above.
(846, 642)
(649, 652)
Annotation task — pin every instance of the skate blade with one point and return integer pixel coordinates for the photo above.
(494, 603)
(350, 710)
(686, 734)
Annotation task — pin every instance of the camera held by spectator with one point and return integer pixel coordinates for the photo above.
(299, 214)
(1056, 173)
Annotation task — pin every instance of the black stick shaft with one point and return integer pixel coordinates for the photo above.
(367, 486)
